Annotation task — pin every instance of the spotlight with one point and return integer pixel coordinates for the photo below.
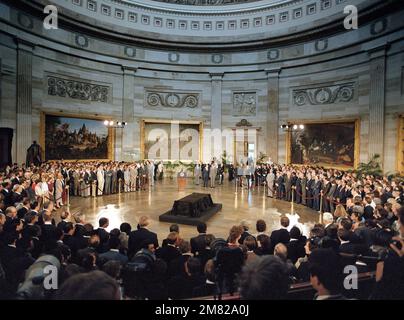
(111, 123)
(295, 127)
(301, 126)
(106, 122)
(119, 123)
(124, 123)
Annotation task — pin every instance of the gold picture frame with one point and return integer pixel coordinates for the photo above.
(111, 134)
(400, 145)
(356, 122)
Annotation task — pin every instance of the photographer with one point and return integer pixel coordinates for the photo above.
(389, 273)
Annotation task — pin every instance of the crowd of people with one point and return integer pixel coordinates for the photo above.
(362, 222)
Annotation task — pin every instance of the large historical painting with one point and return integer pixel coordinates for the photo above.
(68, 138)
(176, 141)
(324, 144)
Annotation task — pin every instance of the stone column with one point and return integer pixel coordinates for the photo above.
(377, 101)
(216, 109)
(273, 114)
(128, 113)
(24, 98)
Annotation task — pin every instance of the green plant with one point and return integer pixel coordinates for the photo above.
(170, 168)
(372, 167)
(188, 166)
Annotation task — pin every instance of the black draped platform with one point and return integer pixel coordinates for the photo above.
(192, 209)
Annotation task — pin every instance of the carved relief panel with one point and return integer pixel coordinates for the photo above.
(244, 103)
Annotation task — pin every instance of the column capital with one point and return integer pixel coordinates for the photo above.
(25, 45)
(216, 76)
(273, 72)
(129, 70)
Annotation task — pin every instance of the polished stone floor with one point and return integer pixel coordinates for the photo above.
(238, 205)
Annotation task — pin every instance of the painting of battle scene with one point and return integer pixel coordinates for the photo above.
(324, 144)
(71, 138)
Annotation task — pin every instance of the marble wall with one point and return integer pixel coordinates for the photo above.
(356, 74)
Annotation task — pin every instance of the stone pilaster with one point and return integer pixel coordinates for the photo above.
(129, 137)
(24, 98)
(377, 100)
(216, 111)
(272, 129)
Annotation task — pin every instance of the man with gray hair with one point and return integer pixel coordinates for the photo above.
(80, 230)
(11, 213)
(328, 219)
(137, 237)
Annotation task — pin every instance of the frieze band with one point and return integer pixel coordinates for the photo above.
(77, 90)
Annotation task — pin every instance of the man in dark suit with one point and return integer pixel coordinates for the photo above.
(24, 209)
(325, 274)
(113, 254)
(47, 211)
(11, 213)
(63, 220)
(137, 237)
(347, 246)
(14, 261)
(368, 209)
(170, 251)
(16, 196)
(281, 235)
(8, 201)
(17, 179)
(316, 193)
(69, 239)
(103, 234)
(198, 243)
(48, 234)
(296, 245)
(80, 232)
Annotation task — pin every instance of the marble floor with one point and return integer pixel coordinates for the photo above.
(238, 205)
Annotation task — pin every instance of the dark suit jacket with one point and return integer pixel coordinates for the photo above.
(8, 201)
(72, 243)
(137, 237)
(61, 225)
(48, 234)
(279, 236)
(368, 212)
(167, 253)
(16, 198)
(104, 237)
(198, 243)
(244, 235)
(79, 234)
(176, 266)
(14, 262)
(113, 255)
(296, 250)
(22, 212)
